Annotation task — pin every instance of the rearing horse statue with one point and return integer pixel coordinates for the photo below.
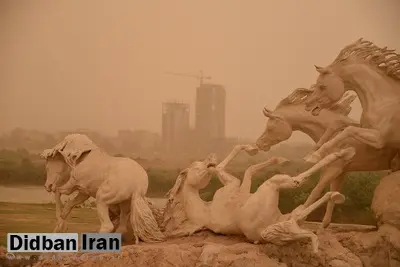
(374, 74)
(290, 115)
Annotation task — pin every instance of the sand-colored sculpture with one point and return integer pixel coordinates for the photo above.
(234, 210)
(290, 115)
(186, 213)
(374, 74)
(117, 183)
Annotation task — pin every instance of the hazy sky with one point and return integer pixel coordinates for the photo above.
(100, 64)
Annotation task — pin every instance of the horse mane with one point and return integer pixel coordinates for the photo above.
(384, 59)
(343, 106)
(299, 96)
(174, 212)
(72, 147)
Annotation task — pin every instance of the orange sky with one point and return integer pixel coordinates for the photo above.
(100, 64)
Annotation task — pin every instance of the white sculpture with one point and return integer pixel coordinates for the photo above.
(187, 213)
(117, 183)
(374, 74)
(290, 115)
(234, 210)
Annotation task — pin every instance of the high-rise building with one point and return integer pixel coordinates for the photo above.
(210, 112)
(175, 126)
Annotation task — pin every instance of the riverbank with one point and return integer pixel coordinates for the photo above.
(38, 195)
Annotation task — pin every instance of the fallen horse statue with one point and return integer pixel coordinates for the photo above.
(234, 210)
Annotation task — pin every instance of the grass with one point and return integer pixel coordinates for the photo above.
(33, 218)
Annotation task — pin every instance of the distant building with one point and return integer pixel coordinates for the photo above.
(210, 112)
(175, 126)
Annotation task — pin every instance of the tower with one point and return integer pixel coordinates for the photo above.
(210, 112)
(175, 126)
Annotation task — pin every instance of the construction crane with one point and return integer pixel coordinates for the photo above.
(200, 77)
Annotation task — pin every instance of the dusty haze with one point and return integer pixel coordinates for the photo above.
(100, 64)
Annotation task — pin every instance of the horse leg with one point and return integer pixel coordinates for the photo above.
(299, 233)
(292, 230)
(336, 185)
(68, 187)
(115, 217)
(235, 151)
(106, 225)
(253, 169)
(224, 177)
(78, 199)
(370, 137)
(284, 181)
(329, 174)
(300, 215)
(60, 227)
(123, 217)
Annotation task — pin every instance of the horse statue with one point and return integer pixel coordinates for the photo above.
(118, 184)
(290, 115)
(236, 211)
(374, 74)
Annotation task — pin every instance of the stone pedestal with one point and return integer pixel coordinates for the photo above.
(386, 201)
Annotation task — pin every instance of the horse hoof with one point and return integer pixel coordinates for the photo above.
(348, 153)
(315, 246)
(324, 225)
(337, 198)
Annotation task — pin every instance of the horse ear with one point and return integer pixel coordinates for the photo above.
(73, 147)
(76, 156)
(267, 112)
(348, 100)
(270, 114)
(45, 154)
(48, 153)
(322, 70)
(178, 184)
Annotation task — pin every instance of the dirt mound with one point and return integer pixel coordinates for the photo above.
(337, 249)
(207, 249)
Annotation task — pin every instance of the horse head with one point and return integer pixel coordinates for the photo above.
(63, 157)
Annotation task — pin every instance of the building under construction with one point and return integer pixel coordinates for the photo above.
(210, 112)
(209, 130)
(175, 126)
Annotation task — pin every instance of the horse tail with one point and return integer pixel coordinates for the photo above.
(144, 224)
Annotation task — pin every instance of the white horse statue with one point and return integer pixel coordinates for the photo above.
(118, 184)
(290, 115)
(234, 210)
(373, 73)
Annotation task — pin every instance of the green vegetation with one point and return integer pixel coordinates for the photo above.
(21, 168)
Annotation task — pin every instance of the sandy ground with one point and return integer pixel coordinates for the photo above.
(37, 195)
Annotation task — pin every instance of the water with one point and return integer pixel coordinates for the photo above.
(38, 195)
